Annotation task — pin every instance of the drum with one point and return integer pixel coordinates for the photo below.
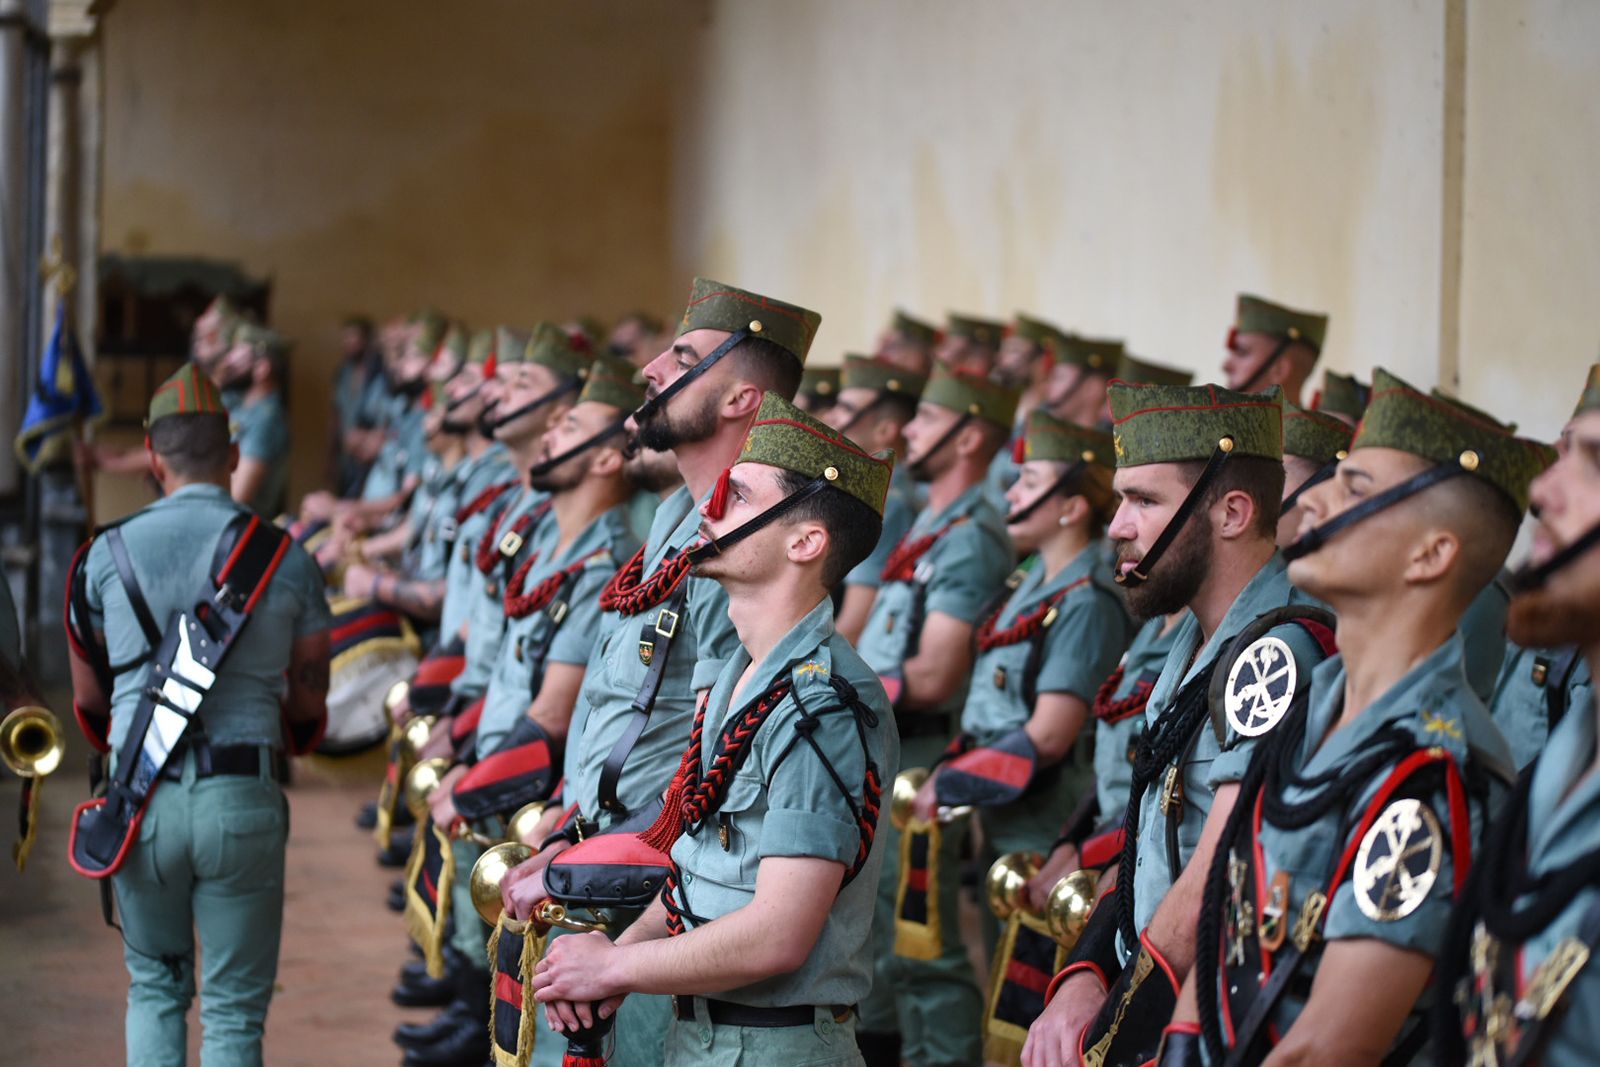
(373, 647)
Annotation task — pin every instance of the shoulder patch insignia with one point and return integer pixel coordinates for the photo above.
(1261, 685)
(811, 667)
(1434, 723)
(1398, 861)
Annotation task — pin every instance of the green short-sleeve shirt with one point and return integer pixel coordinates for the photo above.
(1116, 735)
(900, 509)
(462, 582)
(1483, 628)
(518, 668)
(1210, 763)
(1532, 680)
(486, 621)
(703, 642)
(783, 802)
(171, 544)
(261, 431)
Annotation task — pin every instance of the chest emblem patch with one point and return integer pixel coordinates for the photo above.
(1260, 687)
(1398, 861)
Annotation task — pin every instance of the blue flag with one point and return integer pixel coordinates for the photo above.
(63, 394)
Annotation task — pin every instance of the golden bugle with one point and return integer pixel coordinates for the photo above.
(904, 796)
(31, 742)
(1066, 913)
(490, 872)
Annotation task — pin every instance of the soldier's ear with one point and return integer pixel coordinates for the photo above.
(1436, 552)
(808, 543)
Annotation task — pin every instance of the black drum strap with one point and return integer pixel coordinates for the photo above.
(668, 623)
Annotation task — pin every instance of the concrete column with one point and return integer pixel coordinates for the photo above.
(14, 268)
(91, 141)
(62, 194)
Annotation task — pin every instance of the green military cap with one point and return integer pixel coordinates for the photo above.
(510, 345)
(1136, 371)
(1589, 400)
(1314, 436)
(1402, 417)
(881, 376)
(984, 332)
(1035, 330)
(715, 306)
(784, 436)
(262, 341)
(1477, 413)
(1342, 394)
(432, 326)
(592, 327)
(454, 344)
(1176, 424)
(1255, 315)
(481, 346)
(1091, 353)
(613, 381)
(1046, 437)
(820, 382)
(972, 394)
(552, 347)
(914, 329)
(187, 392)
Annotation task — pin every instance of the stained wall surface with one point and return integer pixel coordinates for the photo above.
(505, 161)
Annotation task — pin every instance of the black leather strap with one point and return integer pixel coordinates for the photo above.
(717, 545)
(1322, 474)
(1141, 573)
(538, 470)
(1055, 487)
(668, 623)
(568, 386)
(687, 378)
(243, 761)
(557, 611)
(130, 585)
(1320, 535)
(1266, 364)
(944, 439)
(727, 1013)
(1531, 578)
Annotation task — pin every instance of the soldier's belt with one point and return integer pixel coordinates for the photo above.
(727, 1013)
(913, 724)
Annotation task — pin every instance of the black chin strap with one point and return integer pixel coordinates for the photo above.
(1266, 365)
(861, 412)
(464, 398)
(536, 403)
(1320, 535)
(1530, 578)
(1055, 487)
(1322, 474)
(1141, 571)
(944, 439)
(539, 470)
(687, 378)
(717, 545)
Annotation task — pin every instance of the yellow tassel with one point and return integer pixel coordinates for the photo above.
(426, 929)
(30, 795)
(532, 952)
(914, 940)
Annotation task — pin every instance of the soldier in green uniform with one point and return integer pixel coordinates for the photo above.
(908, 343)
(1200, 472)
(666, 635)
(1313, 444)
(1518, 982)
(876, 401)
(1328, 899)
(208, 854)
(1024, 362)
(819, 391)
(552, 610)
(1269, 345)
(1043, 651)
(251, 375)
(949, 564)
(760, 933)
(969, 344)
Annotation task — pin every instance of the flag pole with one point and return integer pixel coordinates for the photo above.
(54, 269)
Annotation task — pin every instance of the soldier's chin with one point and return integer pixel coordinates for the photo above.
(1554, 615)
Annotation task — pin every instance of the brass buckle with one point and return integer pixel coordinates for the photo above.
(665, 626)
(510, 544)
(557, 611)
(1305, 927)
(1171, 791)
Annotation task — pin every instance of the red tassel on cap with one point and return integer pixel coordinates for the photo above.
(1233, 336)
(490, 364)
(717, 506)
(1019, 449)
(427, 398)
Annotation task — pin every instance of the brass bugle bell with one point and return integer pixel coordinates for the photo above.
(489, 873)
(1067, 911)
(31, 741)
(1006, 886)
(413, 736)
(904, 796)
(525, 820)
(421, 782)
(395, 696)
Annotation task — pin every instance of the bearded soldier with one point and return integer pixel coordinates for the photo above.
(1517, 983)
(186, 621)
(1360, 816)
(1200, 473)
(665, 633)
(761, 930)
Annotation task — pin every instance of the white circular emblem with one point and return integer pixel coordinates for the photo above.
(1260, 687)
(1398, 861)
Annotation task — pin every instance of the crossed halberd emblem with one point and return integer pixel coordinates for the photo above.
(1260, 687)
(1398, 861)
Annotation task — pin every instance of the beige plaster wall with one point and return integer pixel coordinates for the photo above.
(1122, 168)
(504, 160)
(1530, 308)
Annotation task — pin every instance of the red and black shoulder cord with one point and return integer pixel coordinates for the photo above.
(695, 796)
(1513, 906)
(629, 592)
(902, 563)
(1408, 768)
(1110, 709)
(489, 544)
(482, 501)
(521, 603)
